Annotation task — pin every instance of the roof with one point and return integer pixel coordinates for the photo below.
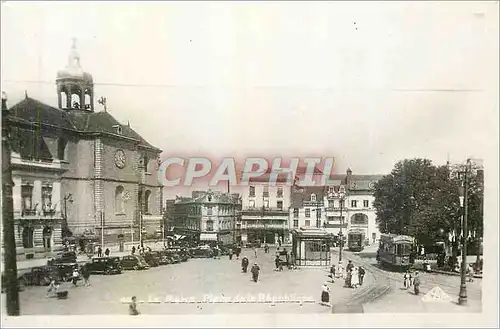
(30, 110)
(311, 232)
(300, 195)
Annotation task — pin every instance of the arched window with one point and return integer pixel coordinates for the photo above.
(313, 197)
(28, 237)
(359, 219)
(119, 202)
(210, 225)
(147, 199)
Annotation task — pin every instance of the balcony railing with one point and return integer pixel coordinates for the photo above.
(28, 212)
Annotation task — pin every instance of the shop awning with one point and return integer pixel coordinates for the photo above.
(208, 237)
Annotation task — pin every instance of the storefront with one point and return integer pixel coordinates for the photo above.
(311, 246)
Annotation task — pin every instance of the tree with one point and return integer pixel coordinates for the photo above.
(418, 199)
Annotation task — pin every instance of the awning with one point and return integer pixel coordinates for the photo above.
(208, 237)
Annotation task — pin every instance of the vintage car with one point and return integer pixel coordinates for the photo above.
(161, 257)
(151, 258)
(64, 271)
(37, 276)
(182, 254)
(133, 262)
(104, 265)
(202, 252)
(64, 258)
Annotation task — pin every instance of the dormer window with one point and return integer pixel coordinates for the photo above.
(313, 197)
(118, 129)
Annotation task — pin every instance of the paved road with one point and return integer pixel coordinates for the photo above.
(195, 278)
(398, 300)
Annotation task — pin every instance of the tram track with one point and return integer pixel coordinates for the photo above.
(384, 282)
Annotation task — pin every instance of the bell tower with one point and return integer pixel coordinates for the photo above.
(75, 88)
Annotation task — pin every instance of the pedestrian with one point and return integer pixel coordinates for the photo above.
(99, 252)
(332, 273)
(133, 250)
(106, 252)
(362, 273)
(355, 278)
(350, 266)
(244, 264)
(238, 252)
(348, 279)
(86, 275)
(74, 277)
(266, 248)
(277, 262)
(405, 280)
(416, 284)
(52, 289)
(255, 251)
(231, 253)
(325, 295)
(255, 272)
(410, 279)
(340, 272)
(132, 308)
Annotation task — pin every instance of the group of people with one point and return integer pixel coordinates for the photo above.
(106, 252)
(55, 284)
(410, 280)
(353, 276)
(255, 270)
(235, 251)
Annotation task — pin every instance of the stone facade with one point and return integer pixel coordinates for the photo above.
(77, 168)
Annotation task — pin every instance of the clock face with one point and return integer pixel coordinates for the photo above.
(120, 159)
(372, 185)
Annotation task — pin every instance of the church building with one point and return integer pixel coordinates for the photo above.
(79, 172)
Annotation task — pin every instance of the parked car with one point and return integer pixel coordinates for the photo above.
(181, 253)
(37, 276)
(64, 271)
(174, 255)
(202, 252)
(133, 262)
(63, 257)
(152, 259)
(105, 265)
(161, 257)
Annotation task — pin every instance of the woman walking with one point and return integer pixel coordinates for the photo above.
(325, 295)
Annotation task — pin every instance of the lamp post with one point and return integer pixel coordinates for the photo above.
(67, 198)
(341, 243)
(10, 262)
(462, 296)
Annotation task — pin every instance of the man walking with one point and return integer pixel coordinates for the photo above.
(132, 308)
(99, 252)
(244, 264)
(106, 252)
(86, 275)
(361, 275)
(255, 272)
(416, 284)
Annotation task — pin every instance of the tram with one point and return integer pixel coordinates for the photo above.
(394, 250)
(355, 241)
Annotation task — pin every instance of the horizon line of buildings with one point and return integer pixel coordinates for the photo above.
(265, 213)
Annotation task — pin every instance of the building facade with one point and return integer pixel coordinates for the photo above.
(79, 172)
(206, 217)
(264, 214)
(344, 207)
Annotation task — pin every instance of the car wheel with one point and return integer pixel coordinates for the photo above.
(107, 271)
(136, 267)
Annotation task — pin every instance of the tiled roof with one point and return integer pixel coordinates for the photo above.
(33, 111)
(303, 194)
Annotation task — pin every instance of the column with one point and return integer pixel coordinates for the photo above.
(69, 92)
(59, 97)
(56, 197)
(37, 195)
(302, 251)
(91, 101)
(17, 197)
(82, 98)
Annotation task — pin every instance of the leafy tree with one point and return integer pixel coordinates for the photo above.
(417, 199)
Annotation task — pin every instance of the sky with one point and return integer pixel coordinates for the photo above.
(367, 83)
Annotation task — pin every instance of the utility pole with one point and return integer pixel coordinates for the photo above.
(140, 230)
(10, 261)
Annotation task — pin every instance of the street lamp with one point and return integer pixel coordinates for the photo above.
(462, 296)
(342, 197)
(10, 262)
